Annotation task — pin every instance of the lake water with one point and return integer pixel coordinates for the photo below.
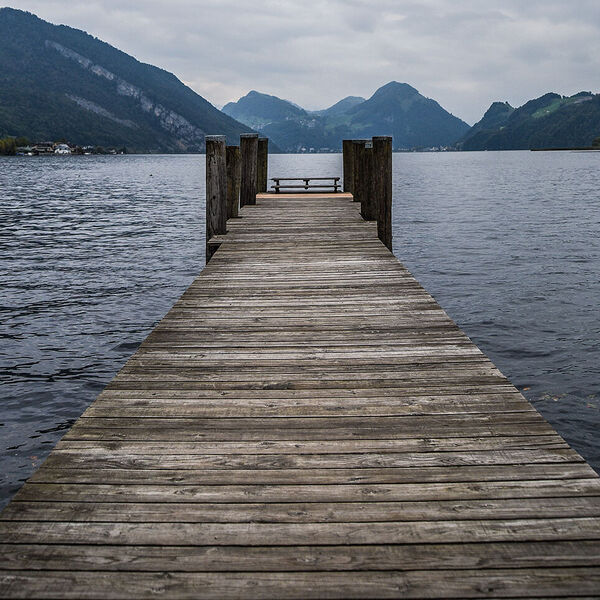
(95, 250)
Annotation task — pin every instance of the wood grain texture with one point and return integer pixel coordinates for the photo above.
(248, 168)
(234, 173)
(306, 422)
(381, 187)
(216, 190)
(471, 583)
(262, 165)
(348, 164)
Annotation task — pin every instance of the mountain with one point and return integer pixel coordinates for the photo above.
(495, 118)
(58, 82)
(395, 109)
(413, 120)
(341, 107)
(286, 124)
(258, 110)
(550, 121)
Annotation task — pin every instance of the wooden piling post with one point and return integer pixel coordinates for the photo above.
(216, 191)
(262, 164)
(382, 187)
(368, 204)
(233, 180)
(358, 147)
(362, 167)
(249, 157)
(348, 160)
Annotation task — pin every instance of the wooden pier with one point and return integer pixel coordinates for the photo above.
(306, 422)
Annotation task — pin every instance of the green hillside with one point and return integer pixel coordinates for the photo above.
(551, 121)
(413, 120)
(58, 82)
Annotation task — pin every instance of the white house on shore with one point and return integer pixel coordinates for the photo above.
(62, 149)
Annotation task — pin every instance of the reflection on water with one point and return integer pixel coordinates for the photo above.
(95, 250)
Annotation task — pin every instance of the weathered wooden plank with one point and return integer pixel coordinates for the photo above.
(404, 557)
(369, 460)
(339, 512)
(145, 432)
(100, 448)
(395, 365)
(396, 423)
(310, 375)
(294, 534)
(357, 492)
(485, 393)
(175, 407)
(477, 583)
(283, 476)
(313, 428)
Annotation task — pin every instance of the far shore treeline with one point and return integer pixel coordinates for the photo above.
(21, 146)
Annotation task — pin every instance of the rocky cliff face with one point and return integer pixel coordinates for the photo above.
(169, 120)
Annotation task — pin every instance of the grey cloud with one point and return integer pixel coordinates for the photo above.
(464, 53)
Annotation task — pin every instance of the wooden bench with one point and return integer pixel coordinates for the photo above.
(307, 185)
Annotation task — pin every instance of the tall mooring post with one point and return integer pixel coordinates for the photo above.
(358, 163)
(262, 164)
(249, 157)
(381, 186)
(216, 191)
(368, 201)
(368, 176)
(234, 172)
(362, 174)
(348, 160)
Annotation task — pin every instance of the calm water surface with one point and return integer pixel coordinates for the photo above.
(95, 250)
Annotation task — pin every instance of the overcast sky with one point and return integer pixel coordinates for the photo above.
(463, 53)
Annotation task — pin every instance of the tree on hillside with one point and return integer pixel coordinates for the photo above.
(8, 146)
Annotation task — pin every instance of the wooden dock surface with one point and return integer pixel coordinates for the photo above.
(306, 422)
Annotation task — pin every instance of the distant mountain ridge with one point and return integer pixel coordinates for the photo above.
(395, 109)
(257, 110)
(59, 82)
(341, 107)
(550, 121)
(413, 120)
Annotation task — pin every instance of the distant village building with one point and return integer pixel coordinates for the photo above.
(43, 148)
(62, 149)
(25, 151)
